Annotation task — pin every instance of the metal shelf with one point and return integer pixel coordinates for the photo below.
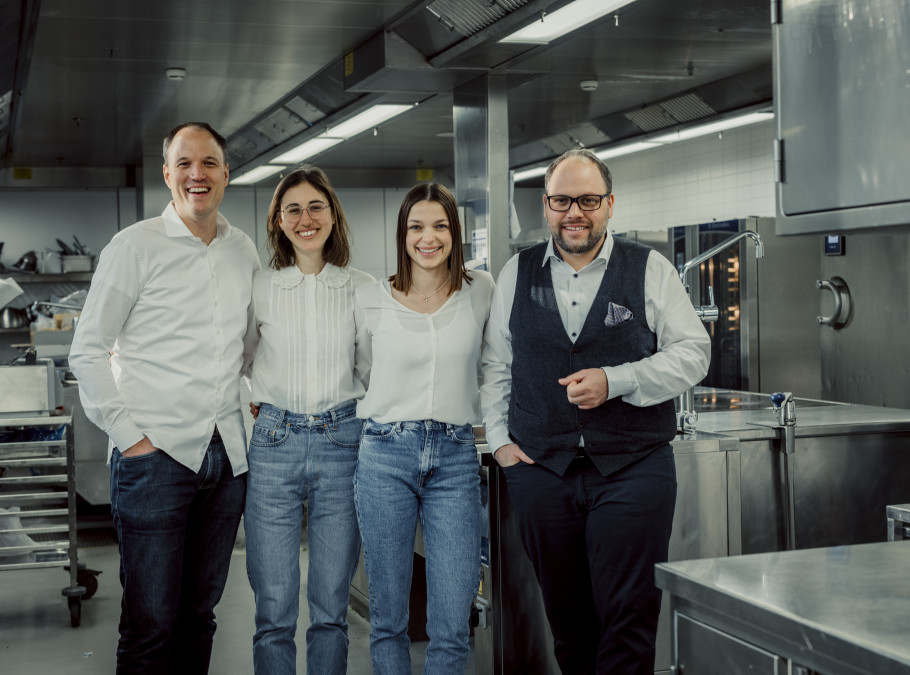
(58, 485)
(70, 277)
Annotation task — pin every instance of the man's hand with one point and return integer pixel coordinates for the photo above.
(586, 388)
(254, 410)
(143, 447)
(510, 455)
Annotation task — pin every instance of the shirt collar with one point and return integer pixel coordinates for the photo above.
(604, 254)
(175, 227)
(331, 276)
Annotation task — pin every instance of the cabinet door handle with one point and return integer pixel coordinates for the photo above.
(842, 308)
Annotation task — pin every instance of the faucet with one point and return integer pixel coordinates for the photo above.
(687, 418)
(785, 407)
(722, 246)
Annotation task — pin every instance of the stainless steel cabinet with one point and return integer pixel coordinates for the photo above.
(841, 95)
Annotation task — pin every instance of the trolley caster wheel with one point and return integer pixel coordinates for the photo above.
(89, 579)
(75, 611)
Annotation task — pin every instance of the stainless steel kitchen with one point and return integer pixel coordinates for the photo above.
(756, 146)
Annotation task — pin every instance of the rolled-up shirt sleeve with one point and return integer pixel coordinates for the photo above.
(683, 345)
(496, 360)
(115, 287)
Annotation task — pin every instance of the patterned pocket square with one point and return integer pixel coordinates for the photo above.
(617, 314)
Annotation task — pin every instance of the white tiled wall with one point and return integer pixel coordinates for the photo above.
(687, 183)
(697, 181)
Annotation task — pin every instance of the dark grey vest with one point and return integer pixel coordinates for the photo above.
(541, 420)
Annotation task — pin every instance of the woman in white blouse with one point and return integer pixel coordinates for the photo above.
(306, 379)
(422, 331)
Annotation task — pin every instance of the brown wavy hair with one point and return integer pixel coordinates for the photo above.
(431, 192)
(337, 249)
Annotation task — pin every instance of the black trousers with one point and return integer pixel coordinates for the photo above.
(593, 541)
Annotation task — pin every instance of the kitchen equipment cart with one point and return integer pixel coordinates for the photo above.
(37, 475)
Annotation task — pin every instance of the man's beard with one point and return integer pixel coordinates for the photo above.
(594, 239)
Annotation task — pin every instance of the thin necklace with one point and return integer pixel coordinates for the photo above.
(426, 298)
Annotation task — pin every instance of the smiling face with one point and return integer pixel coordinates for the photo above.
(307, 233)
(429, 239)
(197, 174)
(577, 232)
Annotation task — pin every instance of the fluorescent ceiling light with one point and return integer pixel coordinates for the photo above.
(307, 149)
(713, 127)
(365, 120)
(257, 174)
(685, 134)
(662, 140)
(338, 134)
(627, 149)
(564, 20)
(525, 174)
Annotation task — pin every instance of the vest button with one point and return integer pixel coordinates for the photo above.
(581, 423)
(574, 350)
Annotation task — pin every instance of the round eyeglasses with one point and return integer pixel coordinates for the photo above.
(585, 202)
(294, 212)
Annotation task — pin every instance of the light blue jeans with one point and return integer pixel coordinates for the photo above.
(426, 470)
(296, 458)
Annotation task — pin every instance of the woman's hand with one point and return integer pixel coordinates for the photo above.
(254, 410)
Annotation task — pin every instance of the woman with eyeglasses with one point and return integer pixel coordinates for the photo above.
(306, 379)
(422, 331)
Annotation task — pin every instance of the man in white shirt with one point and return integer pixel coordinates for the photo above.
(165, 333)
(590, 338)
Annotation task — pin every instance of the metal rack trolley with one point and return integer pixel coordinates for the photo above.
(40, 478)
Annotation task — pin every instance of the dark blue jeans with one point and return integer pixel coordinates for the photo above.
(176, 530)
(593, 541)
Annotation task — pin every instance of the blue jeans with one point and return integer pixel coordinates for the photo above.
(296, 458)
(176, 530)
(426, 470)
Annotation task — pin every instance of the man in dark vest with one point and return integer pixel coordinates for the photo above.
(590, 338)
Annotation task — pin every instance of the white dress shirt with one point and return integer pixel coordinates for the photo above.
(178, 316)
(683, 346)
(305, 360)
(424, 366)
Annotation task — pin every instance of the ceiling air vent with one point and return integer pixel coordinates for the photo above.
(471, 16)
(670, 112)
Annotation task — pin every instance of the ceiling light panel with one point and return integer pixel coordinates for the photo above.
(257, 174)
(565, 20)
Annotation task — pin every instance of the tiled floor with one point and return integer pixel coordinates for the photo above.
(36, 637)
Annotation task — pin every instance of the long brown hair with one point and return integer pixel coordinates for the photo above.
(337, 249)
(431, 192)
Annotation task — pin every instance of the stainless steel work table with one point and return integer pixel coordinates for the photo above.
(835, 610)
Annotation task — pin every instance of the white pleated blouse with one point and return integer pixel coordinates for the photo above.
(423, 366)
(306, 360)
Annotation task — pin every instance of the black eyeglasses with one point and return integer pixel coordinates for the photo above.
(585, 202)
(293, 213)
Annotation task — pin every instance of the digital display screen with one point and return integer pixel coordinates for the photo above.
(834, 244)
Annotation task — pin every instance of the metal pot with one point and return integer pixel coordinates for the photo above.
(11, 317)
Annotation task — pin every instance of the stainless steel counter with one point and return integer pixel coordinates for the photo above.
(748, 415)
(850, 461)
(835, 610)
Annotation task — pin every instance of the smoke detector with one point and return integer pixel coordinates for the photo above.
(175, 74)
(588, 85)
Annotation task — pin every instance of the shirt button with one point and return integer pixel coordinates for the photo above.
(574, 303)
(574, 334)
(575, 275)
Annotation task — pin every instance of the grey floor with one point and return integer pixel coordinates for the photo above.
(36, 636)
